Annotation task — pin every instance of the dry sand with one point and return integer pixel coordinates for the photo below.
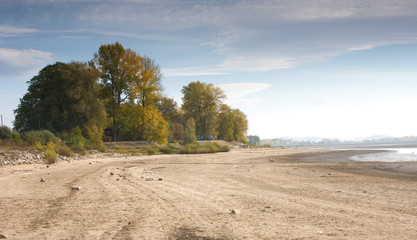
(319, 195)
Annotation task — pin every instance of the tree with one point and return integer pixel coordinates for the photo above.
(226, 125)
(232, 124)
(169, 109)
(201, 102)
(190, 132)
(119, 67)
(255, 140)
(62, 96)
(240, 125)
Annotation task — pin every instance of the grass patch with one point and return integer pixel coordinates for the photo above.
(169, 149)
(210, 147)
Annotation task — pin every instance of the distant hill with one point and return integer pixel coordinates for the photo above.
(313, 141)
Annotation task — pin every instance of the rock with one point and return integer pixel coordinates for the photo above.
(329, 174)
(75, 188)
(234, 211)
(148, 179)
(159, 179)
(2, 236)
(42, 180)
(111, 173)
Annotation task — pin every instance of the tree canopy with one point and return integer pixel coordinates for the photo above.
(201, 101)
(121, 91)
(61, 97)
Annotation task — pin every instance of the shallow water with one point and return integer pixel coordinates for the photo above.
(394, 155)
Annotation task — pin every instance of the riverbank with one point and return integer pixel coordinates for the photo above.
(243, 194)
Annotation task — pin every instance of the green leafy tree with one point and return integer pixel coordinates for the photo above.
(233, 124)
(226, 124)
(201, 102)
(119, 67)
(255, 140)
(190, 132)
(240, 125)
(61, 97)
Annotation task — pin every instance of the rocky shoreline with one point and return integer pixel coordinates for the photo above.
(18, 157)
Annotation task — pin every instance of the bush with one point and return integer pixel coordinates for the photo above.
(50, 156)
(38, 146)
(5, 132)
(65, 151)
(41, 136)
(76, 140)
(16, 137)
(169, 149)
(50, 146)
(102, 149)
(151, 149)
(210, 147)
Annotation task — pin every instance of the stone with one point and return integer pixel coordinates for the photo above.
(159, 179)
(2, 236)
(111, 173)
(42, 180)
(234, 211)
(75, 188)
(148, 179)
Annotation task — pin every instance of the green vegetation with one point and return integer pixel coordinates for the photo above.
(118, 96)
(50, 156)
(64, 151)
(210, 147)
(41, 137)
(190, 132)
(5, 132)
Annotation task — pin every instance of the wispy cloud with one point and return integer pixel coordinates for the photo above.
(22, 63)
(240, 94)
(250, 35)
(12, 31)
(192, 71)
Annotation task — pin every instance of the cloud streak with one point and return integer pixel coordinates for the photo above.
(12, 31)
(22, 63)
(251, 35)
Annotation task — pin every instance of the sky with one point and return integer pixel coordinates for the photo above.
(296, 68)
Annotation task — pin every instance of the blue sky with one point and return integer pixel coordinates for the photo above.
(338, 69)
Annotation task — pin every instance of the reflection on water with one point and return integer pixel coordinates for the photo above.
(395, 155)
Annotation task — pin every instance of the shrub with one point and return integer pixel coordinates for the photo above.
(76, 140)
(41, 136)
(38, 146)
(65, 151)
(50, 145)
(102, 148)
(151, 149)
(16, 137)
(5, 132)
(50, 156)
(169, 149)
(210, 147)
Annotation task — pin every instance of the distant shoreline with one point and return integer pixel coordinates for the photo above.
(341, 161)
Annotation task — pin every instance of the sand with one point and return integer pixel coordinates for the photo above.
(244, 194)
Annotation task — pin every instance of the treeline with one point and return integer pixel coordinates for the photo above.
(118, 96)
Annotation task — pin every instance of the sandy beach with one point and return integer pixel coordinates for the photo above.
(243, 194)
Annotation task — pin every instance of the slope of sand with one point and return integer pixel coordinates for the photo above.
(274, 195)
